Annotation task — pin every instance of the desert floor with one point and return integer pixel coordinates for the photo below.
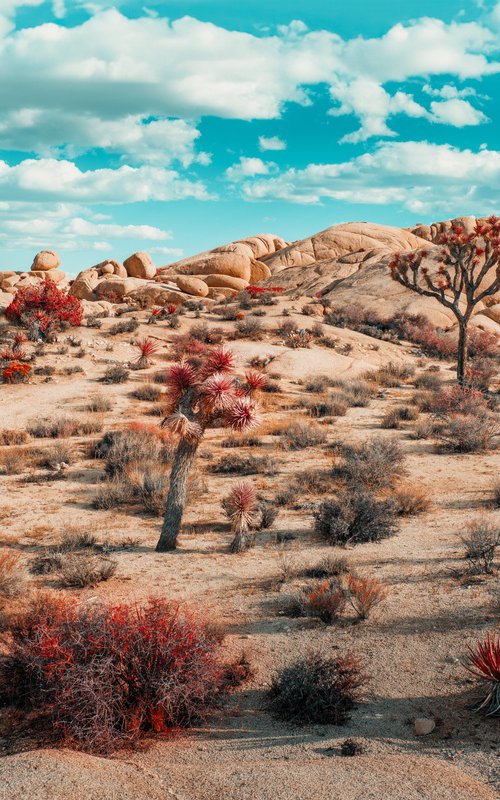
(413, 646)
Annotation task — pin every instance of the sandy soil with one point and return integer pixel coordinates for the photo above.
(413, 646)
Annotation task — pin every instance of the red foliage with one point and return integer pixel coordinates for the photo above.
(255, 290)
(460, 400)
(15, 372)
(254, 381)
(47, 305)
(484, 663)
(105, 676)
(147, 346)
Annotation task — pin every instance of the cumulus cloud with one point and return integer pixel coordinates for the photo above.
(271, 143)
(419, 175)
(34, 179)
(136, 140)
(249, 167)
(111, 66)
(72, 227)
(456, 112)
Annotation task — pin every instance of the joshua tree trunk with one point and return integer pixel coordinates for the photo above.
(176, 500)
(463, 347)
(241, 539)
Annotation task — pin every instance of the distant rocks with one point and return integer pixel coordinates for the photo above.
(46, 259)
(140, 265)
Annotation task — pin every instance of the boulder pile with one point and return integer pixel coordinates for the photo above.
(348, 264)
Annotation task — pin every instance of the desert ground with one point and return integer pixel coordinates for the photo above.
(413, 645)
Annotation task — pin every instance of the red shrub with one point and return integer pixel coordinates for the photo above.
(15, 372)
(459, 400)
(46, 305)
(255, 290)
(484, 663)
(107, 675)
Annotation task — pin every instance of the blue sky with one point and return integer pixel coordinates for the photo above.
(176, 126)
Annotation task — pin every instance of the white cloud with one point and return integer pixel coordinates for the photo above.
(111, 66)
(419, 175)
(248, 168)
(34, 179)
(71, 227)
(271, 143)
(458, 113)
(136, 139)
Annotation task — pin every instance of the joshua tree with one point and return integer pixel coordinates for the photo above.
(240, 506)
(202, 392)
(468, 271)
(147, 348)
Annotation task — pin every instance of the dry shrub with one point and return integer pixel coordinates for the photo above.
(423, 430)
(82, 570)
(325, 599)
(391, 375)
(355, 517)
(148, 391)
(54, 455)
(481, 539)
(496, 495)
(459, 400)
(327, 567)
(357, 392)
(15, 460)
(330, 407)
(119, 449)
(9, 437)
(99, 403)
(266, 515)
(11, 574)
(409, 499)
(429, 381)
(300, 435)
(116, 374)
(364, 594)
(374, 464)
(312, 481)
(63, 427)
(467, 433)
(245, 464)
(317, 689)
(400, 414)
(318, 383)
(124, 326)
(104, 676)
(250, 328)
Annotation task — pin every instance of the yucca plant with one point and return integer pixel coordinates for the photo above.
(201, 394)
(240, 507)
(147, 348)
(484, 663)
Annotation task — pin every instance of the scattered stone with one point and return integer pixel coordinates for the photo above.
(424, 726)
(46, 259)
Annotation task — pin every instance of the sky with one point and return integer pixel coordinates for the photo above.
(178, 125)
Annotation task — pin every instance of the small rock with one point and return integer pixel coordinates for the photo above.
(424, 726)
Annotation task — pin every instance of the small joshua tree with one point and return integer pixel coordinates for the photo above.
(469, 271)
(240, 506)
(147, 347)
(201, 393)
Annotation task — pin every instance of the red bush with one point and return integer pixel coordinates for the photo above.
(15, 372)
(48, 306)
(484, 663)
(104, 676)
(459, 400)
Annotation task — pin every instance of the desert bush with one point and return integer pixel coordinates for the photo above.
(245, 464)
(93, 321)
(112, 494)
(334, 407)
(147, 348)
(266, 515)
(124, 326)
(357, 393)
(148, 391)
(317, 383)
(241, 441)
(397, 415)
(62, 427)
(209, 335)
(467, 433)
(480, 540)
(327, 567)
(13, 436)
(15, 460)
(285, 496)
(122, 449)
(364, 594)
(15, 372)
(104, 676)
(54, 455)
(82, 570)
(484, 663)
(73, 370)
(375, 463)
(250, 327)
(459, 400)
(391, 375)
(317, 689)
(325, 599)
(118, 374)
(429, 381)
(99, 403)
(300, 435)
(409, 499)
(496, 495)
(355, 517)
(11, 574)
(240, 507)
(481, 372)
(312, 481)
(44, 309)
